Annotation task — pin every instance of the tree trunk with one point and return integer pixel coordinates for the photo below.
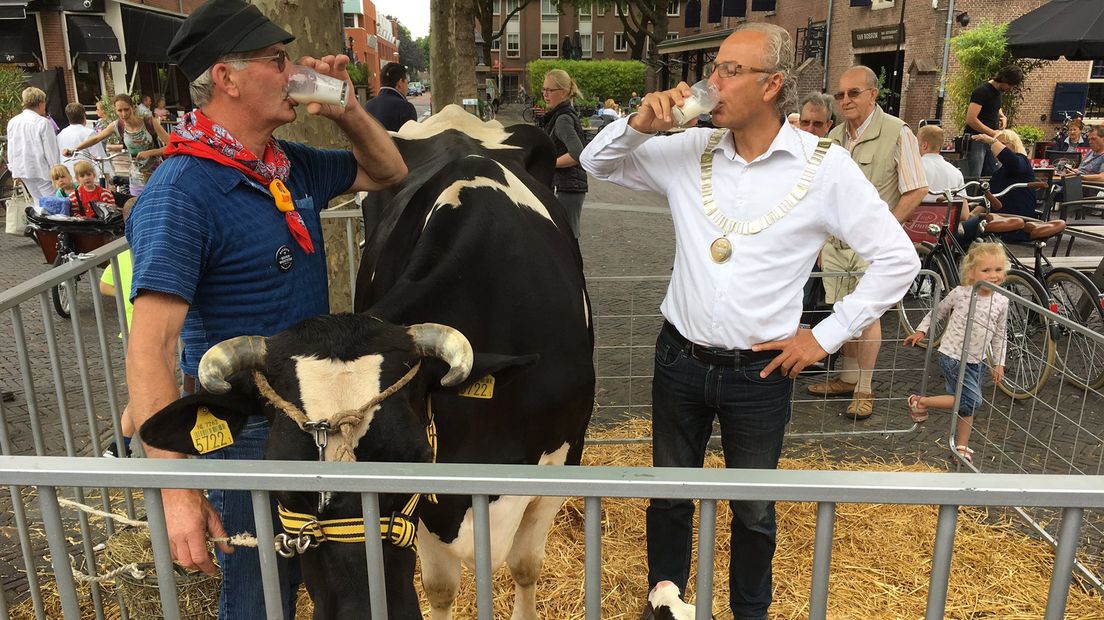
(312, 23)
(452, 51)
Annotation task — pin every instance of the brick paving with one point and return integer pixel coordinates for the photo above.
(624, 234)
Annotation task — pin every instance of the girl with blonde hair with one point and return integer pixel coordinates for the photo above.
(1015, 167)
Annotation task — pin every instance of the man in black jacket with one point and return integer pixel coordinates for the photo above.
(390, 106)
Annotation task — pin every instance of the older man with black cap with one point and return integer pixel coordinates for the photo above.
(227, 241)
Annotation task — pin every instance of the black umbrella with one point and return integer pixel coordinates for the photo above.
(1070, 28)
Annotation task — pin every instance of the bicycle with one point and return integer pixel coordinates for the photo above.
(533, 114)
(119, 184)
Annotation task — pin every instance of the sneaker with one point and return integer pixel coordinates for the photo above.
(112, 451)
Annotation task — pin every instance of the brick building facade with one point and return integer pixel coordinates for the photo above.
(856, 35)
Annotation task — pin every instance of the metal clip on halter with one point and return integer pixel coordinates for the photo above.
(320, 430)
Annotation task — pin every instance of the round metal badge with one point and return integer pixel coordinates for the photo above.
(284, 258)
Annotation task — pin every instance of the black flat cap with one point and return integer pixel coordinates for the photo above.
(218, 28)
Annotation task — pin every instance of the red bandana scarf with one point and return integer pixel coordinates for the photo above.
(199, 136)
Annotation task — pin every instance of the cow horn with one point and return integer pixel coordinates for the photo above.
(447, 344)
(227, 358)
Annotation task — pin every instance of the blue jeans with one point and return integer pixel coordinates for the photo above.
(979, 160)
(242, 594)
(753, 412)
(971, 383)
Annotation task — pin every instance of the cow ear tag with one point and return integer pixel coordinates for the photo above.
(484, 388)
(210, 433)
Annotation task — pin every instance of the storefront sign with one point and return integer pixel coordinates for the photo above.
(880, 35)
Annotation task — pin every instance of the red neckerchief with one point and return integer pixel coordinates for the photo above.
(199, 136)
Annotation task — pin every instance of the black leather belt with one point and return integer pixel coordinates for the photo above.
(715, 356)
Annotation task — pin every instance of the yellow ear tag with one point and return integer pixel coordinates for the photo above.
(282, 196)
(484, 388)
(210, 433)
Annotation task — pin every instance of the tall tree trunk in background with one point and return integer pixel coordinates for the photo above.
(452, 51)
(316, 25)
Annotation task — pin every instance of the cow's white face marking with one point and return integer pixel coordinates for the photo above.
(490, 134)
(514, 189)
(328, 386)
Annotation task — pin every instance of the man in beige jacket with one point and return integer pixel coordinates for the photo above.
(887, 153)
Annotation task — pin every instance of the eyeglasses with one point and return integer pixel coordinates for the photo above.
(851, 93)
(729, 69)
(279, 57)
(550, 90)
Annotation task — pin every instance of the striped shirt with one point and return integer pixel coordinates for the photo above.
(910, 169)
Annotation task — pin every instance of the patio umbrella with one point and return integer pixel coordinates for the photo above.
(1070, 28)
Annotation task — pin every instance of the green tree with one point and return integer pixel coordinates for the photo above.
(410, 53)
(980, 53)
(12, 83)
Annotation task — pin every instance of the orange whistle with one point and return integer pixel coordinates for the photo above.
(282, 196)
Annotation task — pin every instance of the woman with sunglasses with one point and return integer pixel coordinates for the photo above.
(142, 137)
(561, 123)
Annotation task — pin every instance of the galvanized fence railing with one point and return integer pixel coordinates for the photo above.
(1054, 429)
(1071, 494)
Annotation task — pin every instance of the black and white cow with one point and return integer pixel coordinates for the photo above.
(474, 240)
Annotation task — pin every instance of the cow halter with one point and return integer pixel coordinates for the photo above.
(305, 531)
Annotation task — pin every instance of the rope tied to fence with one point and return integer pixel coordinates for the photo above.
(135, 569)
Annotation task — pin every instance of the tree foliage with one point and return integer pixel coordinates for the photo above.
(980, 53)
(410, 53)
(598, 79)
(12, 83)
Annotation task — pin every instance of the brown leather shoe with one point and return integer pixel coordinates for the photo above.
(861, 407)
(835, 387)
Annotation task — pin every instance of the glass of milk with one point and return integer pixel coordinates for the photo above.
(306, 85)
(703, 98)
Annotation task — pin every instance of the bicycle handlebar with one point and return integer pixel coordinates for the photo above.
(87, 154)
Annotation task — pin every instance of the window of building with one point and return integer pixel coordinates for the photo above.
(496, 44)
(1097, 71)
(600, 42)
(584, 11)
(550, 47)
(511, 6)
(619, 44)
(513, 44)
(350, 20)
(671, 36)
(673, 10)
(600, 10)
(548, 9)
(584, 42)
(497, 7)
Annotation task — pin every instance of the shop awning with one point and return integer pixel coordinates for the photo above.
(90, 38)
(1070, 28)
(13, 9)
(147, 34)
(19, 40)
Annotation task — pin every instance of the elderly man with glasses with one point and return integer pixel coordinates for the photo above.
(889, 156)
(227, 241)
(753, 202)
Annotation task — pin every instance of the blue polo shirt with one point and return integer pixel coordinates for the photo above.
(213, 237)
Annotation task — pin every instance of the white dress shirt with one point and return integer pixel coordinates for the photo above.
(755, 296)
(71, 137)
(32, 146)
(941, 174)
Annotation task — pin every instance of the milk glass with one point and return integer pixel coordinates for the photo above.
(703, 98)
(306, 85)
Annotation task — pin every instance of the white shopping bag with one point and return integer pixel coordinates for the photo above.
(16, 213)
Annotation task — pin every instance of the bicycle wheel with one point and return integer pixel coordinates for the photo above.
(60, 293)
(527, 115)
(1075, 297)
(1030, 353)
(920, 297)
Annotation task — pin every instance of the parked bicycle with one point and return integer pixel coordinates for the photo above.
(533, 114)
(1033, 338)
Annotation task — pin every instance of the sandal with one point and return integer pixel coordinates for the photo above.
(916, 412)
(966, 453)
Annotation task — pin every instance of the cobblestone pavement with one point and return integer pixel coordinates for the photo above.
(627, 245)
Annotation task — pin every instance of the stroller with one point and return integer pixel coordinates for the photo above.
(63, 239)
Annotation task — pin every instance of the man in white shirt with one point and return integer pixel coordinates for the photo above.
(939, 172)
(32, 145)
(752, 203)
(76, 133)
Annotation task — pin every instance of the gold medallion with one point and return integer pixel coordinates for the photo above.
(720, 250)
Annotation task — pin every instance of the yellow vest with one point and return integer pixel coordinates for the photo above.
(874, 153)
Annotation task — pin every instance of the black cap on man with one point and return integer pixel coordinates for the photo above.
(218, 28)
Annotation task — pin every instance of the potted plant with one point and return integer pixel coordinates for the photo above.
(1029, 134)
